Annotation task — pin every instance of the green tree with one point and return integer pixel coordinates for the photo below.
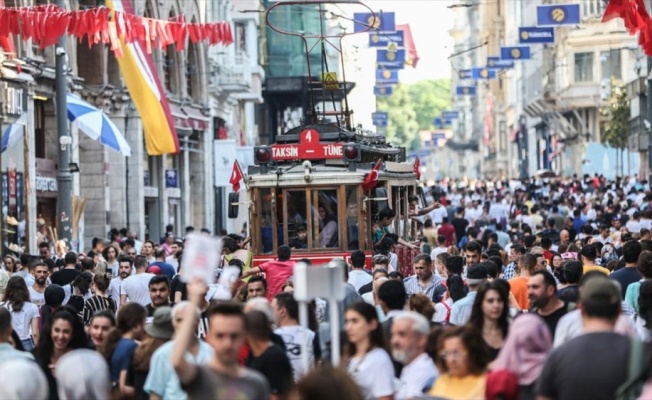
(412, 108)
(616, 129)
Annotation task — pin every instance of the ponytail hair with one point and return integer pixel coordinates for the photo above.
(129, 317)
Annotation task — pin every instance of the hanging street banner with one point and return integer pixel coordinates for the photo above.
(536, 34)
(515, 53)
(381, 22)
(483, 73)
(383, 91)
(558, 14)
(383, 39)
(497, 63)
(465, 74)
(466, 90)
(450, 115)
(390, 59)
(386, 77)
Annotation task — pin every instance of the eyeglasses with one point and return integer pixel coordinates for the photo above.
(453, 355)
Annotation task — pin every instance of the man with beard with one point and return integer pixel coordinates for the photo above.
(40, 271)
(409, 339)
(542, 294)
(124, 271)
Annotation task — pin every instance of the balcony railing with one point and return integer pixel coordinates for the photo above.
(234, 73)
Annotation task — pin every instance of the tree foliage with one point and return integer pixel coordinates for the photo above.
(412, 108)
(616, 128)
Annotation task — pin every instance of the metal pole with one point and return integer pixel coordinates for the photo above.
(127, 111)
(64, 177)
(649, 118)
(523, 154)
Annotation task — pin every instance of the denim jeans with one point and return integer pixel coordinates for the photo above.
(28, 345)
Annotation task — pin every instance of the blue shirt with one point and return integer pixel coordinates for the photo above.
(162, 380)
(167, 269)
(461, 310)
(121, 357)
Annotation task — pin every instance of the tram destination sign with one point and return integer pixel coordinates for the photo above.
(308, 148)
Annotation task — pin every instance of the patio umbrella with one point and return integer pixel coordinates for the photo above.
(97, 125)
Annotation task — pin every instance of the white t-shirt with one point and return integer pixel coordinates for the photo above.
(36, 297)
(416, 376)
(374, 374)
(136, 287)
(295, 337)
(114, 290)
(359, 278)
(21, 320)
(441, 311)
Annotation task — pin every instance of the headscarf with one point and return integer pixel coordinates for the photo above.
(526, 348)
(90, 382)
(15, 384)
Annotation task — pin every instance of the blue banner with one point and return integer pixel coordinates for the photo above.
(466, 90)
(497, 63)
(390, 59)
(379, 122)
(438, 122)
(383, 39)
(379, 115)
(465, 74)
(483, 73)
(536, 34)
(381, 22)
(515, 53)
(386, 76)
(383, 91)
(450, 115)
(558, 14)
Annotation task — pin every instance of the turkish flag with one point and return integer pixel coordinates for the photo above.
(417, 168)
(236, 176)
(371, 180)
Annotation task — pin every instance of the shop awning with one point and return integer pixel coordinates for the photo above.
(188, 118)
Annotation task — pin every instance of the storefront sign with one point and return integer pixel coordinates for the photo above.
(308, 148)
(14, 99)
(46, 184)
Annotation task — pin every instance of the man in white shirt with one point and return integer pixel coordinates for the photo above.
(136, 287)
(409, 338)
(358, 277)
(175, 248)
(124, 271)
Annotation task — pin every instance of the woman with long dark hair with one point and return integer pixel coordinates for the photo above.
(327, 228)
(365, 355)
(121, 343)
(490, 316)
(62, 333)
(24, 313)
(99, 326)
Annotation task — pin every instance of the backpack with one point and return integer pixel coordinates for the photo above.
(640, 357)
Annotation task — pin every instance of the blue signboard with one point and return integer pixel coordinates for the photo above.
(383, 39)
(383, 91)
(438, 122)
(466, 90)
(465, 74)
(380, 122)
(483, 73)
(379, 115)
(390, 59)
(515, 53)
(536, 34)
(171, 180)
(386, 76)
(558, 14)
(497, 63)
(450, 115)
(381, 22)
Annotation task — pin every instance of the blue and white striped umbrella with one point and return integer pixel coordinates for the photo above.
(94, 123)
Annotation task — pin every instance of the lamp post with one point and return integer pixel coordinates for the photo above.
(64, 177)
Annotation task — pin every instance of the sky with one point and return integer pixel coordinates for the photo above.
(429, 21)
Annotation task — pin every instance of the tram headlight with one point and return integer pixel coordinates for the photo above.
(351, 152)
(263, 155)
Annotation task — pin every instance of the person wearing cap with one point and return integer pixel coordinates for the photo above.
(595, 364)
(461, 310)
(162, 382)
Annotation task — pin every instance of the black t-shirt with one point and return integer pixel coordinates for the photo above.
(590, 366)
(366, 288)
(460, 225)
(275, 366)
(64, 276)
(553, 318)
(177, 286)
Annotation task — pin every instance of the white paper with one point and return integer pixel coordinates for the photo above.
(223, 289)
(201, 256)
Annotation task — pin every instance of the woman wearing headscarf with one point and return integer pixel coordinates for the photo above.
(519, 363)
(90, 382)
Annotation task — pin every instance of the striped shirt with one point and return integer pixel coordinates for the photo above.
(412, 285)
(95, 304)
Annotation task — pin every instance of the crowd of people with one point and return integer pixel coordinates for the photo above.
(538, 291)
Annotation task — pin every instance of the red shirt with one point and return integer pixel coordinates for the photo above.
(448, 231)
(276, 273)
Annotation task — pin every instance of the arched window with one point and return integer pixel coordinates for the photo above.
(192, 72)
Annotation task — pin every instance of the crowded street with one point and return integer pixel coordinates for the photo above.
(325, 200)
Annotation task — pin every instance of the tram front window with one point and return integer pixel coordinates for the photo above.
(326, 233)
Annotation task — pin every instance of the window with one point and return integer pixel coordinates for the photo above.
(354, 222)
(583, 67)
(325, 222)
(240, 38)
(39, 129)
(610, 63)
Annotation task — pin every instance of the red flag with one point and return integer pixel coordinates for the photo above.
(417, 168)
(371, 180)
(236, 176)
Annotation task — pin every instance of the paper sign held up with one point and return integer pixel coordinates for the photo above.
(201, 256)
